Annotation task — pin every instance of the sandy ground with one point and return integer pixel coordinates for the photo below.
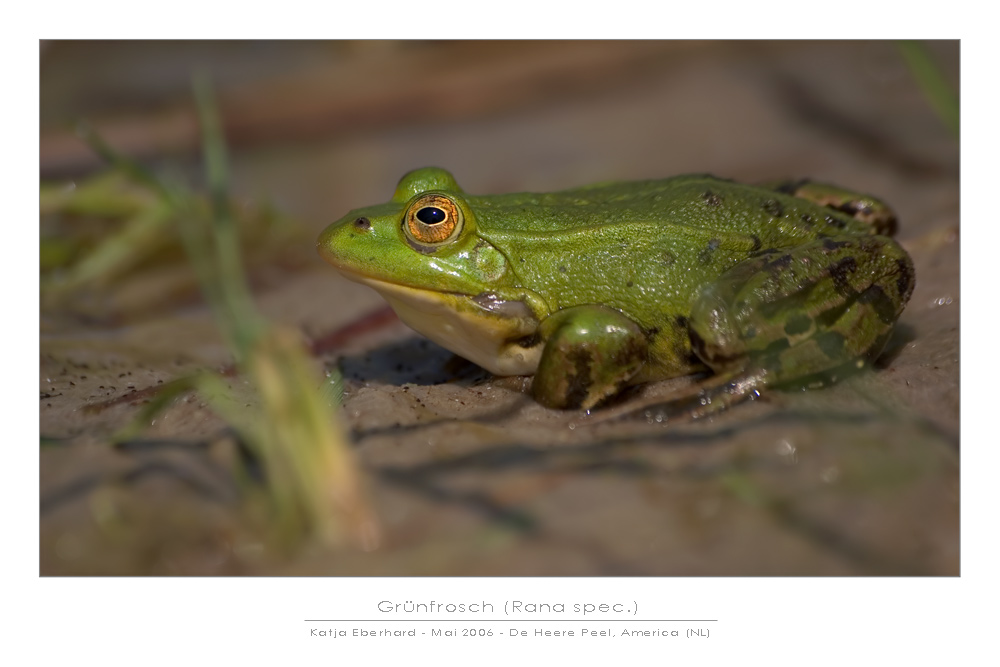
(468, 475)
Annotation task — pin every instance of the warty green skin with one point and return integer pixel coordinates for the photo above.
(599, 287)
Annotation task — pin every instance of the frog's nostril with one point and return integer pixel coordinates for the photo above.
(363, 224)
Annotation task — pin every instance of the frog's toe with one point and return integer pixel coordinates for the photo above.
(703, 399)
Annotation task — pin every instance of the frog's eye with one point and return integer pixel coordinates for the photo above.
(432, 219)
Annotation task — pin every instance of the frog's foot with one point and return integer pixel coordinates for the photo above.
(864, 208)
(703, 398)
(789, 317)
(590, 354)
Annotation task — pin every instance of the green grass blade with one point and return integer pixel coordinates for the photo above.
(932, 81)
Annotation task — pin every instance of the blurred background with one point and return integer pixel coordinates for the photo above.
(465, 474)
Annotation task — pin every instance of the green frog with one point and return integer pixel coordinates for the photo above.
(600, 287)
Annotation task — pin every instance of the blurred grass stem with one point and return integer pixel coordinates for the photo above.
(313, 484)
(932, 81)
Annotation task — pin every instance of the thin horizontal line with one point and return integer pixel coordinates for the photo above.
(510, 620)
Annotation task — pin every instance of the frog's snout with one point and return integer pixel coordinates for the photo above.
(324, 244)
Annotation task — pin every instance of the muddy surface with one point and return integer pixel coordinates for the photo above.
(468, 475)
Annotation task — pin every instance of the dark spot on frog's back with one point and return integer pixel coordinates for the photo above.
(773, 208)
(756, 243)
(829, 245)
(835, 222)
(705, 256)
(711, 198)
(840, 271)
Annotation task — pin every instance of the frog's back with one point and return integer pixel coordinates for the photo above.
(683, 205)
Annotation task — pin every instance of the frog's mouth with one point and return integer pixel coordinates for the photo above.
(497, 334)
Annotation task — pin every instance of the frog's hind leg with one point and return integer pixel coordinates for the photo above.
(865, 208)
(798, 316)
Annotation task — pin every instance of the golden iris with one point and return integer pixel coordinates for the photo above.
(433, 219)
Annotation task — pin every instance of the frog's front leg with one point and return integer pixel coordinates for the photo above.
(590, 353)
(788, 316)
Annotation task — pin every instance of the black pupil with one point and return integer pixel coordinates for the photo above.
(430, 215)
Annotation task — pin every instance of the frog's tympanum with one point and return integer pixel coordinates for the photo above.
(600, 287)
